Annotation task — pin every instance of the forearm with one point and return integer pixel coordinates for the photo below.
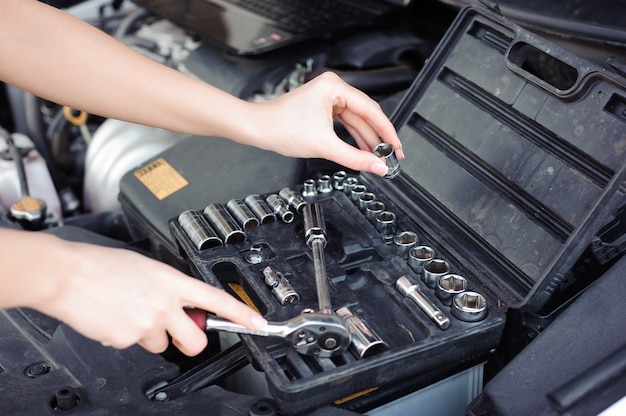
(65, 60)
(29, 266)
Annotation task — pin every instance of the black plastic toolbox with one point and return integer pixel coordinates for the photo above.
(508, 177)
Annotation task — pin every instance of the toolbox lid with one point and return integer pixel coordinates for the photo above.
(516, 154)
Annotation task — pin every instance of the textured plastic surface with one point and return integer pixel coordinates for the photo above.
(362, 270)
(513, 171)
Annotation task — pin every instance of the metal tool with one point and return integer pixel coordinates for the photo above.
(418, 255)
(309, 188)
(280, 286)
(293, 198)
(432, 270)
(260, 208)
(404, 241)
(348, 184)
(198, 229)
(242, 213)
(413, 292)
(323, 184)
(373, 209)
(357, 191)
(365, 199)
(386, 223)
(469, 307)
(338, 178)
(386, 153)
(449, 286)
(280, 208)
(365, 342)
(315, 235)
(310, 333)
(224, 223)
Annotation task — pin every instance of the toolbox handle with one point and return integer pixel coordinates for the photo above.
(537, 64)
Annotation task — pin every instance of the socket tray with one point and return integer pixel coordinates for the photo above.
(508, 176)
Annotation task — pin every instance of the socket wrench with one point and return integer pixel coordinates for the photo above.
(310, 333)
(315, 235)
(413, 292)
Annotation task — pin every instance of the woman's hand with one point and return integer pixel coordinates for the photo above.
(300, 124)
(115, 296)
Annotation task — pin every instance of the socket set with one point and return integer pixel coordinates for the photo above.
(404, 300)
(507, 180)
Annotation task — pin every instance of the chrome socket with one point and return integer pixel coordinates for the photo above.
(323, 185)
(338, 178)
(469, 307)
(357, 191)
(365, 342)
(404, 241)
(294, 199)
(385, 152)
(244, 216)
(280, 208)
(198, 229)
(449, 286)
(413, 292)
(224, 224)
(386, 225)
(260, 209)
(365, 199)
(348, 184)
(373, 209)
(309, 188)
(433, 270)
(418, 255)
(280, 286)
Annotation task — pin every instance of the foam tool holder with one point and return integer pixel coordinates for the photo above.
(508, 176)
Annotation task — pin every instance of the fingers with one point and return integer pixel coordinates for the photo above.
(184, 328)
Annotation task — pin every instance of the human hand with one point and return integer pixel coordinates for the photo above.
(300, 124)
(120, 298)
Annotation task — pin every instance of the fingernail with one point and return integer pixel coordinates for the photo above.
(258, 322)
(399, 153)
(379, 168)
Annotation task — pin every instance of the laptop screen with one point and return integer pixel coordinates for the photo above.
(250, 27)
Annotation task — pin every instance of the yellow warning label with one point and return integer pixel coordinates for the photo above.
(241, 293)
(355, 395)
(161, 178)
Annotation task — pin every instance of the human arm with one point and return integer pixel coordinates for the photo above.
(115, 296)
(65, 60)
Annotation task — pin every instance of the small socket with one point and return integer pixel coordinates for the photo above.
(469, 307)
(433, 270)
(338, 178)
(418, 255)
(450, 285)
(385, 152)
(404, 241)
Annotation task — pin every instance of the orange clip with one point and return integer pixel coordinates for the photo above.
(76, 119)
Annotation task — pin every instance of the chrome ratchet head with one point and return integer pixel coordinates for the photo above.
(310, 333)
(319, 334)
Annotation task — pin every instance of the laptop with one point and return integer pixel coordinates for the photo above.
(252, 27)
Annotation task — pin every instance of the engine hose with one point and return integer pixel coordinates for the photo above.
(16, 155)
(374, 81)
(36, 133)
(124, 27)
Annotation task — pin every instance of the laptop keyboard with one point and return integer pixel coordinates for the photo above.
(302, 15)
